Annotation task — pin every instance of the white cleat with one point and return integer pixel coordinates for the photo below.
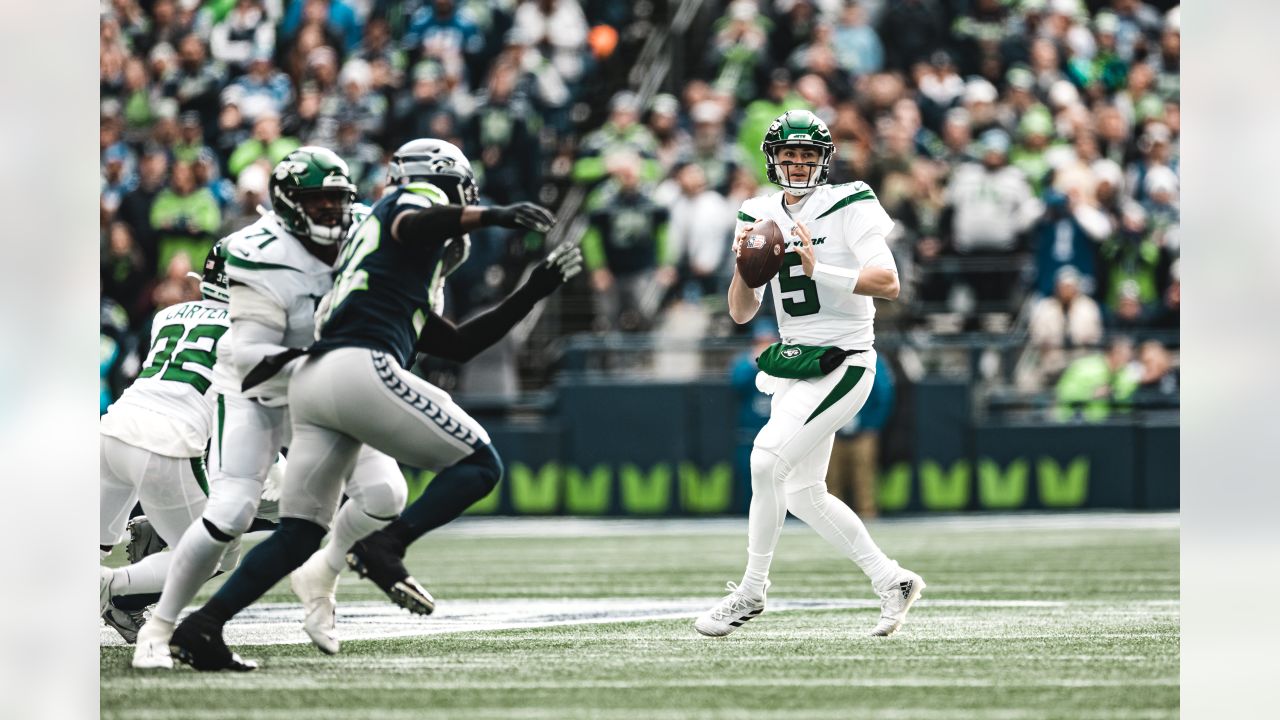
(895, 600)
(152, 649)
(316, 585)
(104, 589)
(730, 613)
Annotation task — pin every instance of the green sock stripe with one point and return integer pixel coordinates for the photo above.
(851, 377)
(202, 477)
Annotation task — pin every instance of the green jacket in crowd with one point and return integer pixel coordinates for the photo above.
(184, 224)
(1088, 387)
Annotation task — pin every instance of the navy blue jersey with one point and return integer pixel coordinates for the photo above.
(383, 288)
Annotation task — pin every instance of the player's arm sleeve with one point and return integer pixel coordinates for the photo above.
(426, 226)
(259, 326)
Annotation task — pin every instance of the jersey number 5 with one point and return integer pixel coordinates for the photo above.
(168, 339)
(808, 302)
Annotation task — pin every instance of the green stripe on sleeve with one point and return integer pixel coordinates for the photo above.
(745, 217)
(222, 421)
(240, 262)
(864, 195)
(852, 375)
(202, 478)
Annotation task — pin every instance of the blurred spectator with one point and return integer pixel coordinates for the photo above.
(208, 176)
(1067, 235)
(185, 217)
(197, 83)
(1064, 324)
(911, 30)
(190, 138)
(265, 143)
(262, 88)
(498, 133)
(117, 359)
(420, 112)
(1130, 258)
(855, 455)
(1128, 314)
(364, 159)
(622, 132)
(738, 48)
(991, 205)
(1161, 186)
(625, 248)
(857, 46)
(135, 206)
(700, 231)
(242, 35)
(441, 30)
(356, 101)
(796, 25)
(336, 16)
(1096, 385)
(251, 192)
(711, 149)
(124, 271)
(673, 143)
(1160, 378)
(177, 285)
(559, 29)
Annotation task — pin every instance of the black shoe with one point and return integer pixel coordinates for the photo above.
(197, 641)
(380, 559)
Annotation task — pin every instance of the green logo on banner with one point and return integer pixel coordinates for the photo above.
(588, 494)
(1063, 489)
(645, 494)
(709, 493)
(535, 494)
(894, 491)
(1002, 491)
(942, 491)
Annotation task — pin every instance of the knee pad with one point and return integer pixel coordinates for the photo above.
(233, 503)
(385, 500)
(487, 460)
(767, 466)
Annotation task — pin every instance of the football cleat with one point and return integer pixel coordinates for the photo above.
(152, 649)
(731, 612)
(895, 600)
(197, 641)
(125, 622)
(143, 539)
(316, 586)
(104, 589)
(380, 559)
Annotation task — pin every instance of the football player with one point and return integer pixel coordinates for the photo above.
(153, 445)
(821, 372)
(354, 391)
(278, 269)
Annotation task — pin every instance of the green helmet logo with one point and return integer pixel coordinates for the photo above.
(311, 193)
(798, 128)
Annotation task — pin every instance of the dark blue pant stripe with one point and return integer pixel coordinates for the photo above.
(387, 373)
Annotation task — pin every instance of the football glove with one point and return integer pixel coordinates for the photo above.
(560, 265)
(521, 215)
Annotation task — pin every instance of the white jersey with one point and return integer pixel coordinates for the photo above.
(168, 410)
(268, 258)
(848, 228)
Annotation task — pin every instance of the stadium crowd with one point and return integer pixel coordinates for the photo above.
(1028, 149)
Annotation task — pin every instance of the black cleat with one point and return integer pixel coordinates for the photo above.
(381, 560)
(197, 641)
(125, 622)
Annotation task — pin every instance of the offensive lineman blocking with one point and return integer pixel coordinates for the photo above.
(354, 392)
(821, 373)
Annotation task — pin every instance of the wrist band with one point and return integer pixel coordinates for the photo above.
(843, 279)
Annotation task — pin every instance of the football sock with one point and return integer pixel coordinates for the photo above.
(264, 566)
(130, 603)
(455, 489)
(351, 525)
(195, 559)
(765, 516)
(841, 527)
(145, 576)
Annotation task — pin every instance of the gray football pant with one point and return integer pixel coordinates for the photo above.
(351, 397)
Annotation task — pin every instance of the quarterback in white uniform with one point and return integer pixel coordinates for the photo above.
(278, 269)
(821, 373)
(154, 438)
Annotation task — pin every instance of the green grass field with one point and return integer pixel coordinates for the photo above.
(1025, 617)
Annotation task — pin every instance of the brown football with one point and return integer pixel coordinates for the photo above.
(760, 254)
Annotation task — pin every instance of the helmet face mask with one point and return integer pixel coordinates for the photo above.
(798, 129)
(311, 193)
